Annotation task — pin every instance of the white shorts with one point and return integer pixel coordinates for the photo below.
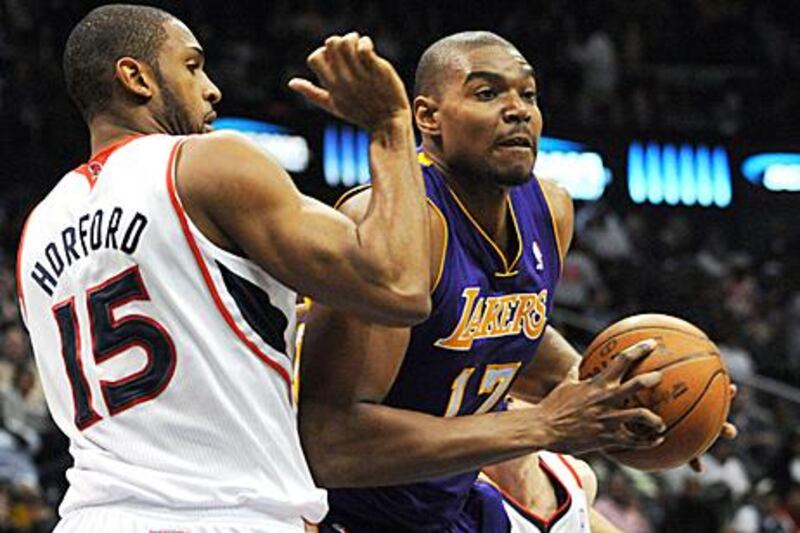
(102, 520)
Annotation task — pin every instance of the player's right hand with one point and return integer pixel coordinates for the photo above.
(355, 83)
(586, 415)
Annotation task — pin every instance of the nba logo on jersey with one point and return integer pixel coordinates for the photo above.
(537, 253)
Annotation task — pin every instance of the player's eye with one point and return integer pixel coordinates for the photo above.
(530, 95)
(485, 93)
(193, 66)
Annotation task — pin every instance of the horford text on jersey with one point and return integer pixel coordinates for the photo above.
(112, 229)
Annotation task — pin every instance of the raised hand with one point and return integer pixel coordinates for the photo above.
(587, 415)
(355, 83)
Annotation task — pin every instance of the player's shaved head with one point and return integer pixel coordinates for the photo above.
(105, 35)
(438, 60)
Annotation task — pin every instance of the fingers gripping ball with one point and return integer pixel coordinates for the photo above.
(693, 397)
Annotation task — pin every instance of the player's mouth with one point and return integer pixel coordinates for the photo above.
(208, 121)
(517, 142)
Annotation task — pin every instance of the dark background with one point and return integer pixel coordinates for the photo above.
(718, 72)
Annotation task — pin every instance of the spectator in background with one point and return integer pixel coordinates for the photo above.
(694, 509)
(596, 55)
(14, 351)
(721, 466)
(619, 503)
(760, 513)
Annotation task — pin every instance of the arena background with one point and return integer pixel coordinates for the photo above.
(675, 121)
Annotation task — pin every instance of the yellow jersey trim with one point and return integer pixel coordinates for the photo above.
(556, 234)
(423, 159)
(519, 235)
(507, 272)
(445, 242)
(349, 194)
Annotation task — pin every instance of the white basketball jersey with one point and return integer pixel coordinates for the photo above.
(572, 516)
(165, 359)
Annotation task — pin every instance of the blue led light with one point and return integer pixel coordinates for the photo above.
(705, 195)
(776, 171)
(247, 124)
(330, 156)
(669, 169)
(636, 174)
(679, 175)
(347, 152)
(688, 190)
(652, 157)
(722, 177)
(362, 152)
(551, 144)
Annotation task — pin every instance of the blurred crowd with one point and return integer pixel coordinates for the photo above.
(726, 68)
(743, 289)
(710, 67)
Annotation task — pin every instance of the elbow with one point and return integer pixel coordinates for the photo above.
(325, 454)
(409, 308)
(418, 307)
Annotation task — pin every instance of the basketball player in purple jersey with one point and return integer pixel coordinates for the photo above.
(385, 408)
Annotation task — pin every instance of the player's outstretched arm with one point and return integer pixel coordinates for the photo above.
(243, 201)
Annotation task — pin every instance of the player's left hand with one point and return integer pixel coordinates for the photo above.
(728, 431)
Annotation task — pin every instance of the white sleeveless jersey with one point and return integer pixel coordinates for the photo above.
(165, 359)
(572, 516)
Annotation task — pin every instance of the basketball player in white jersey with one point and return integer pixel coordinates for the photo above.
(158, 280)
(546, 492)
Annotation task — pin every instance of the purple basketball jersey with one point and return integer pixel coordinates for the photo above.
(489, 312)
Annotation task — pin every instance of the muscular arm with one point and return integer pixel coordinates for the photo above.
(350, 439)
(555, 360)
(243, 201)
(348, 367)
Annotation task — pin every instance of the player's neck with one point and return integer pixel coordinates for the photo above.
(106, 130)
(486, 203)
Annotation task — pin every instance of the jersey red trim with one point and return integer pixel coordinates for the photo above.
(182, 217)
(571, 469)
(525, 511)
(92, 168)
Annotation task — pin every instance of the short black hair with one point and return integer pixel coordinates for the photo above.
(438, 56)
(105, 35)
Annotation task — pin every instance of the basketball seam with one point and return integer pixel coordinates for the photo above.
(625, 332)
(683, 359)
(696, 401)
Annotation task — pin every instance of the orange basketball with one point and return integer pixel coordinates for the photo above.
(692, 398)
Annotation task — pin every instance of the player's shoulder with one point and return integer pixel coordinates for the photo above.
(561, 209)
(218, 147)
(556, 194)
(213, 162)
(355, 203)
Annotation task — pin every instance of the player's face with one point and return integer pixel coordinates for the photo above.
(489, 118)
(186, 93)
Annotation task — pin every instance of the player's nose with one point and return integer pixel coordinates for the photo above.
(212, 93)
(517, 110)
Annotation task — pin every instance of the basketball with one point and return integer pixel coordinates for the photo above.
(693, 397)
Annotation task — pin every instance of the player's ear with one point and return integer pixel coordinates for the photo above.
(426, 115)
(135, 78)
